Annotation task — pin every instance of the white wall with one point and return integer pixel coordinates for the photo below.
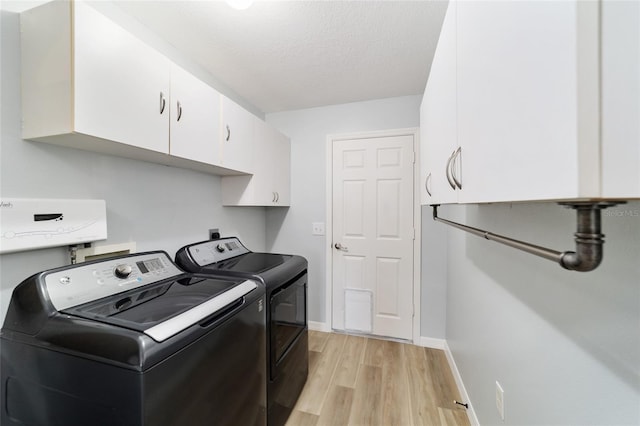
(290, 230)
(433, 276)
(564, 345)
(158, 207)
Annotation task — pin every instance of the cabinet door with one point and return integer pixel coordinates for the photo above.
(518, 100)
(195, 118)
(262, 191)
(272, 154)
(621, 99)
(256, 189)
(281, 163)
(270, 183)
(425, 168)
(121, 85)
(236, 137)
(438, 116)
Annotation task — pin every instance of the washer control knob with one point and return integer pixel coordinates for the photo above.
(123, 270)
(220, 248)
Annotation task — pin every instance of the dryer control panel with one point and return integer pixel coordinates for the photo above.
(215, 251)
(84, 283)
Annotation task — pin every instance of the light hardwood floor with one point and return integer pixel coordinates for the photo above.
(356, 380)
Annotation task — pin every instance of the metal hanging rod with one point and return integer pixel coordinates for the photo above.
(589, 240)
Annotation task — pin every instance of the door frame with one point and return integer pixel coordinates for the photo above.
(412, 131)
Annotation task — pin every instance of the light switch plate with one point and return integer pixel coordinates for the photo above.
(317, 228)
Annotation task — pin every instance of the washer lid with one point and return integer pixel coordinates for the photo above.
(253, 263)
(164, 309)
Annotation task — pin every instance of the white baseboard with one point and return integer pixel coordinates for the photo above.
(473, 419)
(319, 326)
(430, 342)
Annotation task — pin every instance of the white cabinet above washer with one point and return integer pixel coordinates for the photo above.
(236, 136)
(194, 128)
(270, 184)
(87, 83)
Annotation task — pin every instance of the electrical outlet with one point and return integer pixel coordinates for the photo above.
(500, 400)
(214, 234)
(317, 228)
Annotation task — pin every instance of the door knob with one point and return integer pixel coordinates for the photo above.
(340, 247)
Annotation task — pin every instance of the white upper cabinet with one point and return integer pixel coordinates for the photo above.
(236, 136)
(546, 97)
(270, 184)
(438, 131)
(621, 99)
(90, 84)
(194, 112)
(85, 77)
(120, 84)
(282, 177)
(519, 90)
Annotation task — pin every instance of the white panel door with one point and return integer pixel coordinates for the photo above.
(121, 85)
(195, 118)
(373, 234)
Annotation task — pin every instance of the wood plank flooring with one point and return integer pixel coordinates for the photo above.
(355, 380)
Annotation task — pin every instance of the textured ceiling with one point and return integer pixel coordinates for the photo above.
(284, 55)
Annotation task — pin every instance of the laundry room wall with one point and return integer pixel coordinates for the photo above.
(158, 207)
(564, 345)
(290, 230)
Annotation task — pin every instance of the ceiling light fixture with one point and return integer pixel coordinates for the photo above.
(239, 4)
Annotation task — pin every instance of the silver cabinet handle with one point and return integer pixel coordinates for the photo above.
(163, 103)
(340, 247)
(179, 111)
(448, 170)
(228, 133)
(454, 163)
(277, 197)
(427, 184)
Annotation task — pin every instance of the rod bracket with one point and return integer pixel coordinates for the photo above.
(589, 240)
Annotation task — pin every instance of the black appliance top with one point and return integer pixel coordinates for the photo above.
(131, 309)
(166, 308)
(253, 263)
(229, 256)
